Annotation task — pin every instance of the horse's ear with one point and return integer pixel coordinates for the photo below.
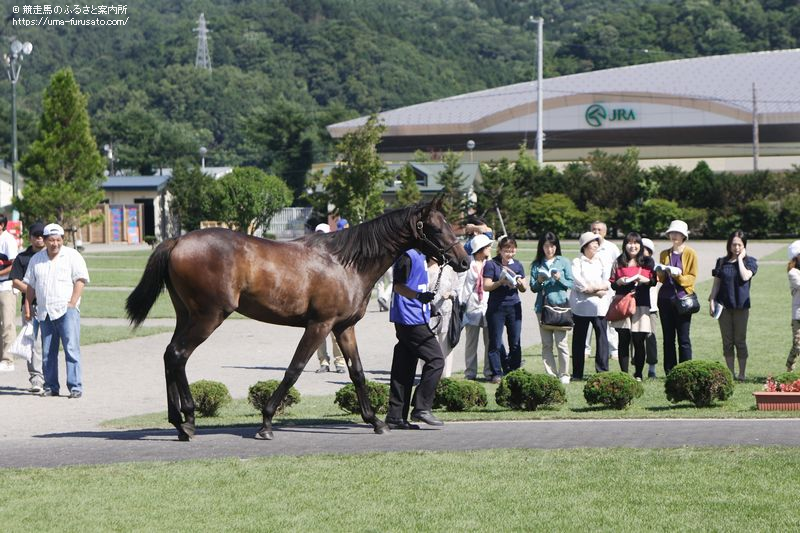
(434, 205)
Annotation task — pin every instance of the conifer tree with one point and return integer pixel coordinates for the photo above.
(408, 193)
(452, 181)
(63, 168)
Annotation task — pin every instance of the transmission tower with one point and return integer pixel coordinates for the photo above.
(203, 59)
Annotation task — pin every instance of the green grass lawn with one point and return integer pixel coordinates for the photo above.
(687, 489)
(102, 334)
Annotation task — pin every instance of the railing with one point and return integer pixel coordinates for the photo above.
(288, 223)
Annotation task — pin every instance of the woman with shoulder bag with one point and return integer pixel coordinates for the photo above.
(633, 273)
(475, 301)
(793, 272)
(589, 302)
(729, 300)
(677, 271)
(551, 279)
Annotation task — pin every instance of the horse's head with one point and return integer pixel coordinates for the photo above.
(436, 239)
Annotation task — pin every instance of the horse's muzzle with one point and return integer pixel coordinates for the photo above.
(459, 265)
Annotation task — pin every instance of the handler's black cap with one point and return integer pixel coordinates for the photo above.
(36, 230)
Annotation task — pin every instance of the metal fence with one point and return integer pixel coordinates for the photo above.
(289, 223)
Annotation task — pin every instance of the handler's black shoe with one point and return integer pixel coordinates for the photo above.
(396, 423)
(426, 417)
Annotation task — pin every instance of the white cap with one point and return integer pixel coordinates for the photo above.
(794, 250)
(53, 229)
(647, 243)
(322, 228)
(586, 238)
(678, 226)
(479, 242)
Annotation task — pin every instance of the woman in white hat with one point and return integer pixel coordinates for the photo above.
(476, 300)
(677, 271)
(589, 302)
(794, 284)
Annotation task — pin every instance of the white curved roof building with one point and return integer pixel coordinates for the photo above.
(675, 112)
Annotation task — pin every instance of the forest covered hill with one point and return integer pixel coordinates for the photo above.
(282, 70)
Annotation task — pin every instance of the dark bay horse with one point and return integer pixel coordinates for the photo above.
(320, 282)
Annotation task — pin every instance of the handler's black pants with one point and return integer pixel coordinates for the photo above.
(413, 343)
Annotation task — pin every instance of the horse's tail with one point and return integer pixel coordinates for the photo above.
(155, 276)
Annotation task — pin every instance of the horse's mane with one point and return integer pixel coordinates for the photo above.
(362, 244)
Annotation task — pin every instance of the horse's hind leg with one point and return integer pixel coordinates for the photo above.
(313, 336)
(189, 334)
(347, 342)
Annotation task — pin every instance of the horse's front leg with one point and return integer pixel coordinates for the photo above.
(347, 342)
(313, 336)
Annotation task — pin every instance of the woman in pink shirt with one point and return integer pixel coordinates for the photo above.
(633, 272)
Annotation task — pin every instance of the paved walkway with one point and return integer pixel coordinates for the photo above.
(126, 378)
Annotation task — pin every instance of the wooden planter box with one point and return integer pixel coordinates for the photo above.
(777, 401)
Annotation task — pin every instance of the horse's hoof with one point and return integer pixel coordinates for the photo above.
(264, 435)
(382, 429)
(183, 437)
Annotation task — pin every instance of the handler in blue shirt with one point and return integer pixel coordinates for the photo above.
(410, 313)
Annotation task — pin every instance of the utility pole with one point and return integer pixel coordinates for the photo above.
(755, 130)
(202, 59)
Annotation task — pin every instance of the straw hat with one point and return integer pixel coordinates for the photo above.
(794, 250)
(678, 226)
(588, 237)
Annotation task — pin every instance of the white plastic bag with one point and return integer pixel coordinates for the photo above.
(23, 345)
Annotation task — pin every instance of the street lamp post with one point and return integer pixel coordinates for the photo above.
(13, 65)
(109, 150)
(539, 91)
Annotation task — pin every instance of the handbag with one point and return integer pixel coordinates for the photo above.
(456, 322)
(622, 306)
(556, 318)
(687, 305)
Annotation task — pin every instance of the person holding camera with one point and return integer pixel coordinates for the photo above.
(411, 314)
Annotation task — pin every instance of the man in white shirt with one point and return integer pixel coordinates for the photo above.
(8, 300)
(55, 279)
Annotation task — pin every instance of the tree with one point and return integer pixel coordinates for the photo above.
(408, 193)
(63, 167)
(194, 196)
(452, 182)
(355, 184)
(283, 139)
(249, 198)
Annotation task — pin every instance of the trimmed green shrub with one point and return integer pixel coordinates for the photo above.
(785, 378)
(522, 390)
(459, 395)
(209, 396)
(700, 382)
(259, 395)
(378, 394)
(612, 389)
